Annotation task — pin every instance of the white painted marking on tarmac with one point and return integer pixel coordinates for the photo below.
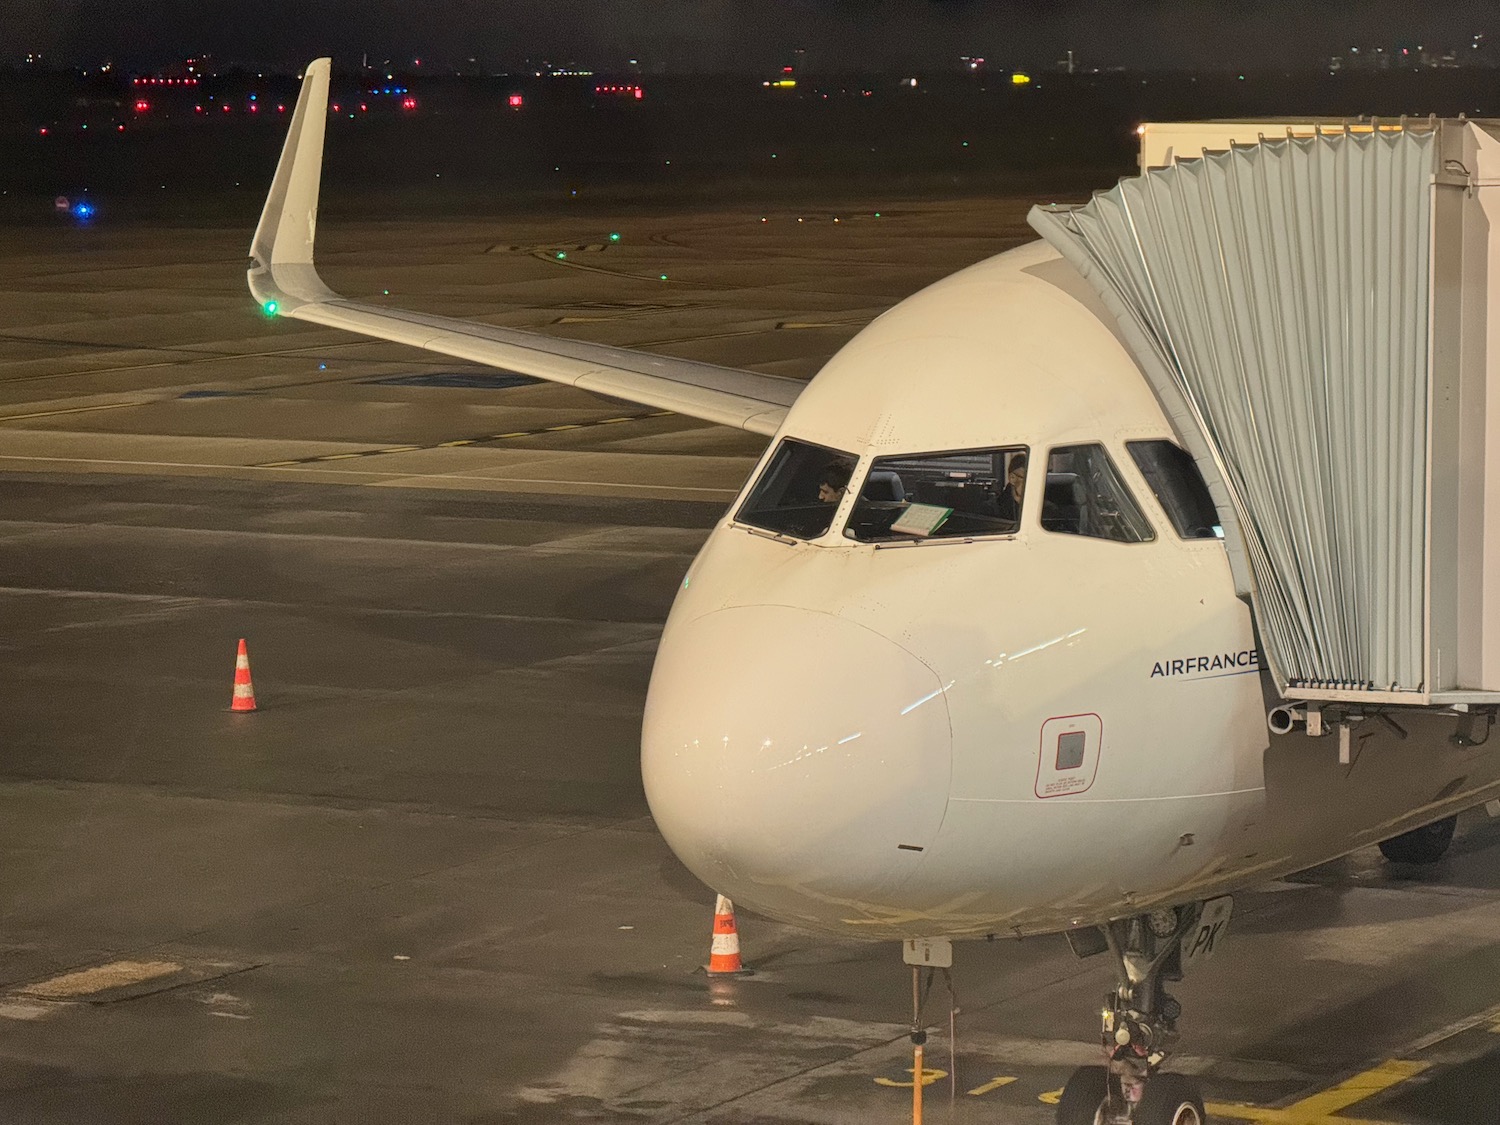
(86, 982)
(26, 1009)
(229, 1015)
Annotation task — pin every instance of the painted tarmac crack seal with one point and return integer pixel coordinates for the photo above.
(483, 439)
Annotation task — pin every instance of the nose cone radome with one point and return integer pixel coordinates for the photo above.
(795, 761)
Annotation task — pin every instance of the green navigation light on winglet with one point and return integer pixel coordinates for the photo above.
(270, 308)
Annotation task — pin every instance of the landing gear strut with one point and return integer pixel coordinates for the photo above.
(1140, 1030)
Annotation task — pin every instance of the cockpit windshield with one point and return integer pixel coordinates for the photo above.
(941, 496)
(799, 491)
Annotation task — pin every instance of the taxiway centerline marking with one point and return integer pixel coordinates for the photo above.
(479, 440)
(474, 476)
(69, 410)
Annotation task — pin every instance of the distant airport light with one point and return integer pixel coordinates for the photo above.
(142, 105)
(228, 109)
(42, 131)
(1019, 79)
(83, 209)
(281, 109)
(664, 277)
(336, 108)
(561, 254)
(270, 308)
(515, 101)
(363, 108)
(614, 236)
(254, 108)
(409, 103)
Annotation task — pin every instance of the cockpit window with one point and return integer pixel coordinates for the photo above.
(799, 491)
(941, 496)
(1085, 496)
(1179, 488)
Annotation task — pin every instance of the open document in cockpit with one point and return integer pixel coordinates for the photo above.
(921, 519)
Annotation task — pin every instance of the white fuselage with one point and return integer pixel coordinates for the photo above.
(859, 738)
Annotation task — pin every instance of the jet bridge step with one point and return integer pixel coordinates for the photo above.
(1317, 314)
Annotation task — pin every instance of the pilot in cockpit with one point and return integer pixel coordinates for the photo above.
(1008, 501)
(834, 481)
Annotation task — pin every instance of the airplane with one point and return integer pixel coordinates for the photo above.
(905, 694)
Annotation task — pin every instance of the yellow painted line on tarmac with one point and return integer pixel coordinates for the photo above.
(1320, 1108)
(929, 1076)
(455, 444)
(86, 982)
(990, 1087)
(69, 410)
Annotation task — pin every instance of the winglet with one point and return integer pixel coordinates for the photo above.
(282, 274)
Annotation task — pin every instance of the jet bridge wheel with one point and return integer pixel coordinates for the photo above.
(1427, 844)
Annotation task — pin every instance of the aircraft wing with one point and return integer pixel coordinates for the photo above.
(285, 281)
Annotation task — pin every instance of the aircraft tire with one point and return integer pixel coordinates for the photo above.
(1170, 1099)
(1083, 1097)
(1427, 844)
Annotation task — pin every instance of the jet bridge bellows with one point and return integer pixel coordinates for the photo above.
(1318, 311)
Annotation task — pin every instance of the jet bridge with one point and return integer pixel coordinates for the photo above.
(1317, 306)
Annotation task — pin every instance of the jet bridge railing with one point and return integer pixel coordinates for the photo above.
(1312, 314)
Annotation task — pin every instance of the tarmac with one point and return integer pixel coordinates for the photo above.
(420, 883)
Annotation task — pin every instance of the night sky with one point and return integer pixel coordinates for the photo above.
(740, 34)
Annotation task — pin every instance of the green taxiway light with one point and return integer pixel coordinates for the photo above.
(561, 254)
(614, 236)
(270, 307)
(664, 277)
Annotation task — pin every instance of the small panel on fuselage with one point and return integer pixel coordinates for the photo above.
(1069, 755)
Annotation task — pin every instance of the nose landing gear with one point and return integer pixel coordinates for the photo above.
(1140, 1030)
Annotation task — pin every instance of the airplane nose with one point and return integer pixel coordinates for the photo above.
(795, 761)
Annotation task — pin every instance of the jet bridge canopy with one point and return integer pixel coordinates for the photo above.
(1316, 309)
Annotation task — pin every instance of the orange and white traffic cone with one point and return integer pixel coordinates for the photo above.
(244, 690)
(724, 955)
